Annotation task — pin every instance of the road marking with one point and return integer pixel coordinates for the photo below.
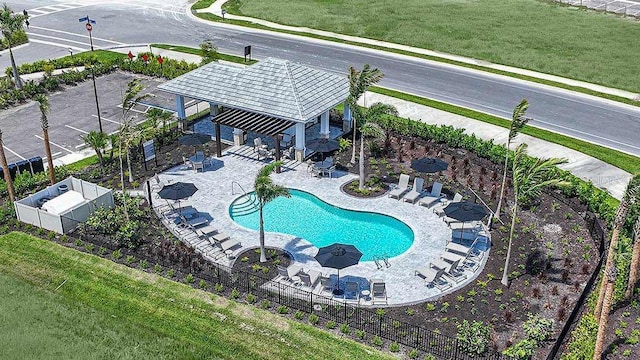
(59, 45)
(105, 119)
(74, 34)
(50, 9)
(54, 144)
(60, 39)
(13, 152)
(76, 129)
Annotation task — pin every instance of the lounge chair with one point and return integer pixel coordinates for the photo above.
(433, 277)
(289, 272)
(352, 291)
(450, 269)
(378, 292)
(439, 209)
(403, 187)
(326, 284)
(156, 184)
(257, 144)
(289, 153)
(310, 278)
(265, 153)
(467, 252)
(433, 197)
(195, 221)
(415, 192)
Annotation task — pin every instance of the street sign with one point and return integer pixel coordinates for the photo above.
(88, 27)
(83, 19)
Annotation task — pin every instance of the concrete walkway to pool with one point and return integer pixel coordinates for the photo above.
(239, 164)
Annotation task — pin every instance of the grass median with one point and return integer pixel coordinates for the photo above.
(63, 303)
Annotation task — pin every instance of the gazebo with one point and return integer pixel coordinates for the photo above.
(272, 97)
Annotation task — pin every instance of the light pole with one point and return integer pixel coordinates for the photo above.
(93, 74)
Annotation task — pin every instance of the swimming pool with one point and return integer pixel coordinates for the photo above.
(306, 216)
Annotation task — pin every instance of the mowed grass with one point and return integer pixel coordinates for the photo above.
(61, 303)
(531, 34)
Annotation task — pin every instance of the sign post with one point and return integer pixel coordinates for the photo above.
(247, 51)
(149, 152)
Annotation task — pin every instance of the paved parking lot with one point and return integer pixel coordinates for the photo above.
(73, 115)
(628, 7)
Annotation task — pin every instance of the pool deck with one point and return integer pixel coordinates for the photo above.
(240, 165)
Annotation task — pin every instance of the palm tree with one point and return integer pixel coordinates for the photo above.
(97, 141)
(605, 298)
(127, 129)
(10, 24)
(5, 170)
(267, 191)
(359, 82)
(518, 121)
(43, 105)
(635, 258)
(370, 127)
(529, 179)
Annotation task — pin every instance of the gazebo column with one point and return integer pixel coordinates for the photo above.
(238, 137)
(300, 141)
(215, 110)
(325, 132)
(277, 139)
(180, 111)
(346, 118)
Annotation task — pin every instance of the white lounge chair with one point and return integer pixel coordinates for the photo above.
(415, 192)
(450, 269)
(310, 278)
(433, 197)
(289, 272)
(433, 277)
(439, 209)
(326, 284)
(403, 187)
(378, 292)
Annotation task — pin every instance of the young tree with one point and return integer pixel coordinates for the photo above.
(267, 191)
(10, 25)
(5, 170)
(518, 121)
(97, 141)
(359, 82)
(43, 105)
(529, 179)
(605, 298)
(370, 127)
(209, 52)
(128, 130)
(635, 261)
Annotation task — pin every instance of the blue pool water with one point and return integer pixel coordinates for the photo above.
(322, 224)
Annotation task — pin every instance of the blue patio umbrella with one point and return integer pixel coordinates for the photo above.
(429, 165)
(338, 256)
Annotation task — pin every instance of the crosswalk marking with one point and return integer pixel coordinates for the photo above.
(50, 9)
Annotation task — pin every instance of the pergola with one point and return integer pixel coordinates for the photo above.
(271, 97)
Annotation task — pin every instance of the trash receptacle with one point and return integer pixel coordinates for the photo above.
(37, 166)
(13, 170)
(62, 189)
(23, 166)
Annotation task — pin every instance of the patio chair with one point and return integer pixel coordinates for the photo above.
(352, 291)
(465, 251)
(195, 221)
(289, 153)
(330, 171)
(403, 187)
(156, 184)
(289, 272)
(433, 277)
(378, 291)
(200, 155)
(415, 192)
(326, 284)
(439, 208)
(433, 197)
(257, 144)
(450, 269)
(286, 141)
(265, 153)
(310, 278)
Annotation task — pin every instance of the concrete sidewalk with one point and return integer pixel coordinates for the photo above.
(216, 9)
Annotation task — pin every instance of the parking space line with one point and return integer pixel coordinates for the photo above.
(109, 120)
(54, 144)
(14, 153)
(76, 129)
(31, 34)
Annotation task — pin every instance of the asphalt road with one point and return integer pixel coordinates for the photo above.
(55, 29)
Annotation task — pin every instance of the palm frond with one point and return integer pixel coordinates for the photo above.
(518, 120)
(531, 177)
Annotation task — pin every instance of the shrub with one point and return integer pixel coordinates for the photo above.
(189, 279)
(313, 319)
(265, 304)
(89, 247)
(377, 341)
(360, 334)
(157, 268)
(202, 284)
(299, 315)
(283, 309)
(413, 354)
(473, 337)
(143, 264)
(522, 350)
(251, 299)
(331, 325)
(218, 288)
(116, 254)
(130, 259)
(235, 293)
(537, 328)
(344, 328)
(171, 273)
(394, 347)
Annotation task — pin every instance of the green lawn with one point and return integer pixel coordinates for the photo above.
(531, 34)
(109, 311)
